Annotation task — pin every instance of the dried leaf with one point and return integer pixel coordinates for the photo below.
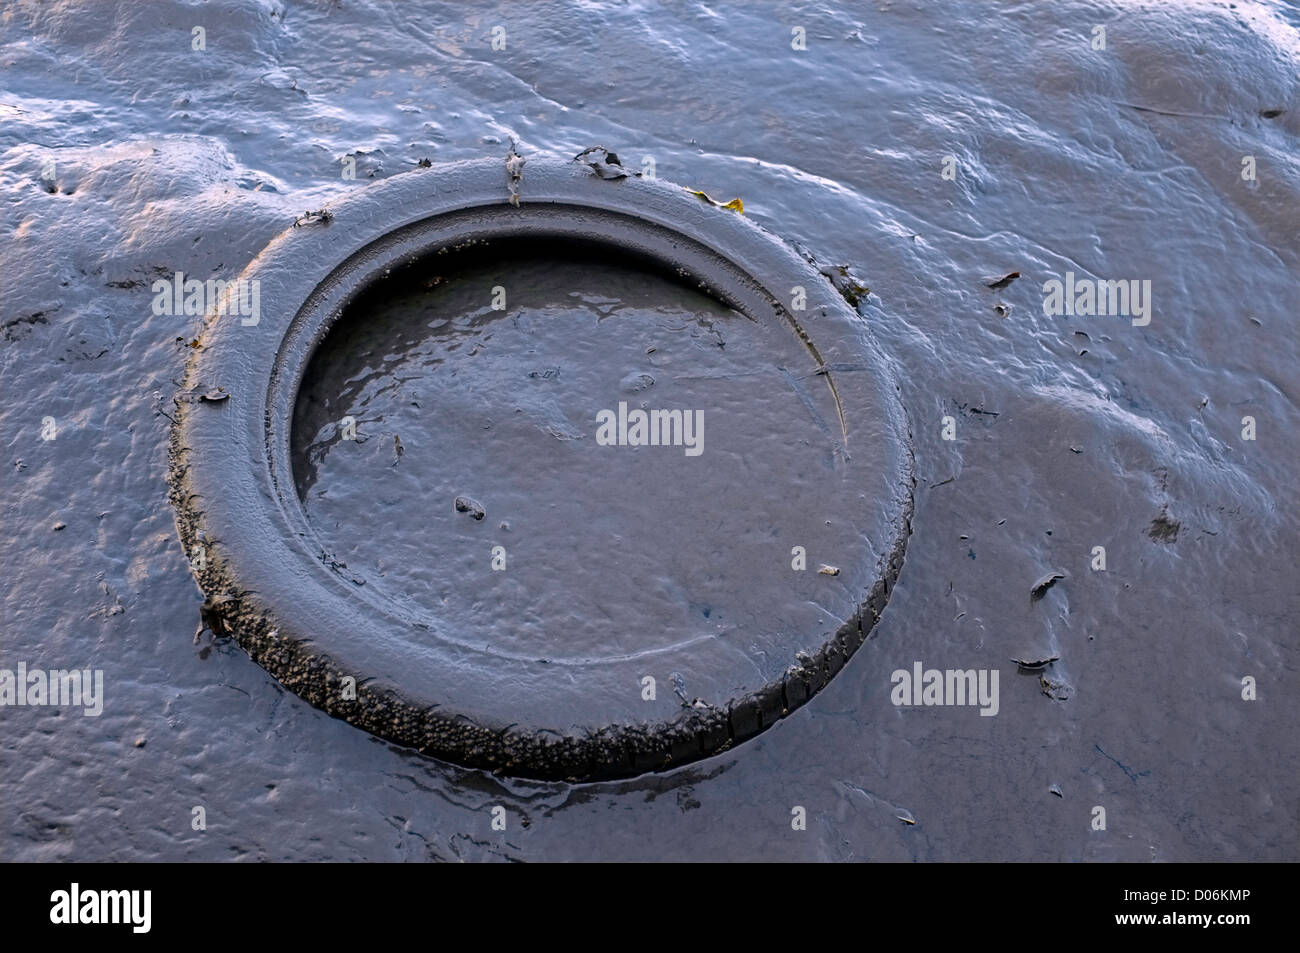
(736, 205)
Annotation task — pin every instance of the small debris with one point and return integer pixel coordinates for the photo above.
(59, 526)
(515, 171)
(1002, 309)
(1163, 529)
(679, 688)
(603, 162)
(214, 396)
(1076, 449)
(1036, 663)
(1046, 582)
(321, 216)
(425, 163)
(968, 409)
(846, 283)
(210, 616)
(1271, 113)
(997, 284)
(474, 508)
(1055, 687)
(635, 383)
(826, 570)
(140, 742)
(1056, 789)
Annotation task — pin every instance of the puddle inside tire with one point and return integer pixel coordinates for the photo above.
(447, 446)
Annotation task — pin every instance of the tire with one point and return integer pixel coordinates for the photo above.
(272, 586)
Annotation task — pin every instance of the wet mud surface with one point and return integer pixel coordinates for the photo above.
(477, 428)
(1070, 431)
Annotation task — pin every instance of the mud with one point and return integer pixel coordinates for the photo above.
(1123, 163)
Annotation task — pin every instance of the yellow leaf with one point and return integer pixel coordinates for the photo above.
(735, 205)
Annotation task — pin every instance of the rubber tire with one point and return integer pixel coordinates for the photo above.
(271, 584)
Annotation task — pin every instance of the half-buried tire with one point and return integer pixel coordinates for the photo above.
(329, 631)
